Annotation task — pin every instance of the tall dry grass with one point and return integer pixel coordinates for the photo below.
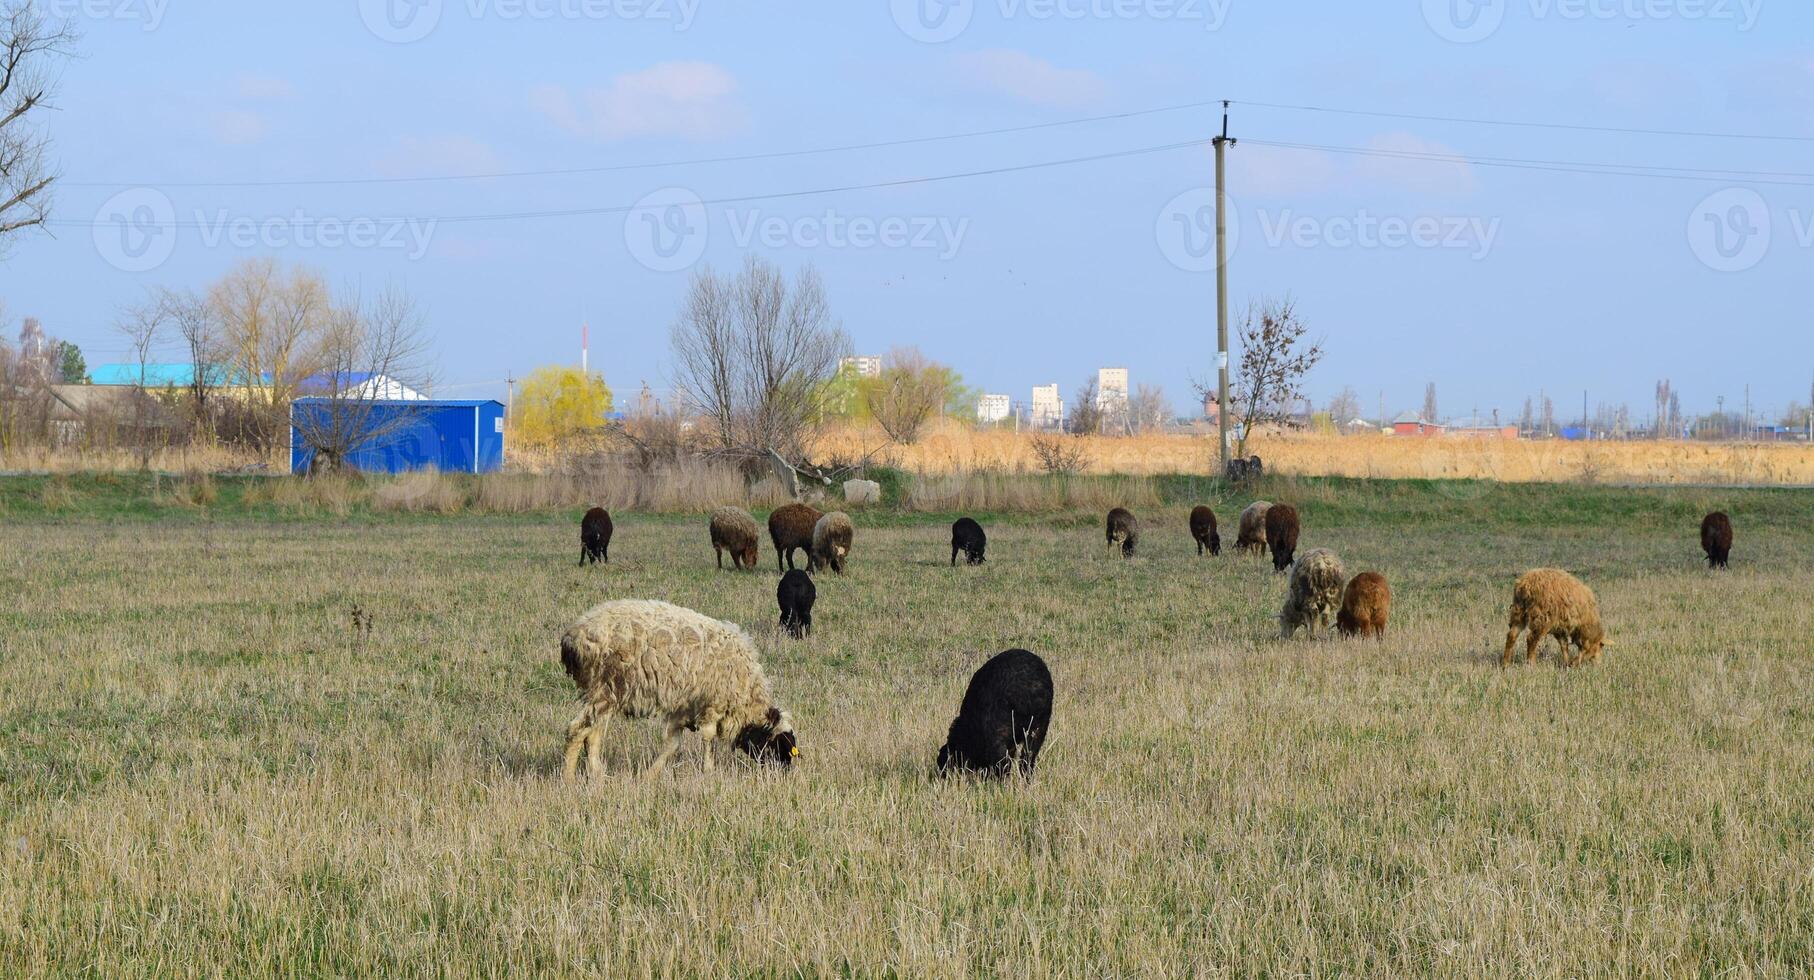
(953, 448)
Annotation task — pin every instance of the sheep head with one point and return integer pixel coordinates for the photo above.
(770, 741)
(1591, 639)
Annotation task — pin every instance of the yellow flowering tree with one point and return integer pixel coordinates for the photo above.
(559, 405)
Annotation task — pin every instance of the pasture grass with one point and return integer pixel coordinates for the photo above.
(207, 769)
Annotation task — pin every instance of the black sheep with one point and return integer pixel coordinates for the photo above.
(1282, 535)
(796, 595)
(595, 537)
(1203, 529)
(1123, 530)
(967, 536)
(1716, 539)
(1004, 717)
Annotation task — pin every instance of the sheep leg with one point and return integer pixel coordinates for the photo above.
(708, 733)
(577, 731)
(595, 742)
(671, 746)
(720, 553)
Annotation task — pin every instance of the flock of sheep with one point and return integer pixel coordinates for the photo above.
(642, 658)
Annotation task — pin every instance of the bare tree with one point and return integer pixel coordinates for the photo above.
(198, 327)
(1344, 407)
(365, 346)
(910, 392)
(28, 43)
(1430, 413)
(1275, 359)
(1059, 456)
(1086, 410)
(1149, 410)
(141, 326)
(753, 356)
(272, 325)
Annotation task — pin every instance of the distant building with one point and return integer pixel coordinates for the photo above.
(866, 365)
(1111, 390)
(991, 409)
(1479, 428)
(1413, 424)
(1048, 407)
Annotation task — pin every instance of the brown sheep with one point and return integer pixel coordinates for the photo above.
(832, 537)
(1123, 531)
(1366, 605)
(1551, 602)
(734, 530)
(1282, 535)
(791, 527)
(1203, 530)
(1716, 539)
(1316, 593)
(1252, 535)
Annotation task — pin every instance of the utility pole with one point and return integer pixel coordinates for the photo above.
(1221, 144)
(1587, 429)
(510, 397)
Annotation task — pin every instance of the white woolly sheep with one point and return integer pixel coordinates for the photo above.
(1316, 593)
(641, 658)
(832, 537)
(1252, 534)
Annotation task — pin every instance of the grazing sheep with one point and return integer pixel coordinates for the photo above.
(1203, 529)
(1123, 530)
(1366, 605)
(1551, 602)
(1316, 593)
(1252, 535)
(640, 658)
(791, 527)
(595, 537)
(795, 595)
(1282, 535)
(1003, 720)
(831, 542)
(967, 536)
(734, 530)
(1716, 539)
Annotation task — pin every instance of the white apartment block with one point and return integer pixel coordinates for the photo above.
(867, 366)
(1048, 407)
(991, 409)
(1111, 390)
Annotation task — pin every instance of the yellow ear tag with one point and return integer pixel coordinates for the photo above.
(794, 751)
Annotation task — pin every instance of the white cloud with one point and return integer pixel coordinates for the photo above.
(1268, 171)
(412, 155)
(1021, 76)
(263, 88)
(237, 127)
(693, 100)
(1454, 176)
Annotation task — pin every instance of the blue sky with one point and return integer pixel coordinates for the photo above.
(1493, 282)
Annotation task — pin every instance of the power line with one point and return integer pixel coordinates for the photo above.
(1627, 130)
(1655, 171)
(741, 199)
(626, 167)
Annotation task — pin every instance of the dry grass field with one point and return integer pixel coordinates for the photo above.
(206, 769)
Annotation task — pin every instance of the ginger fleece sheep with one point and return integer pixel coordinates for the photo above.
(832, 537)
(641, 658)
(1366, 605)
(1203, 530)
(1551, 602)
(790, 527)
(1282, 535)
(734, 530)
(1316, 593)
(1252, 533)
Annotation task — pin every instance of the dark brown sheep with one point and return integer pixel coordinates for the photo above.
(1203, 530)
(734, 530)
(790, 527)
(595, 537)
(1123, 530)
(1716, 539)
(1282, 535)
(1366, 605)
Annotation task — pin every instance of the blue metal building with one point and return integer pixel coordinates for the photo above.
(450, 436)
